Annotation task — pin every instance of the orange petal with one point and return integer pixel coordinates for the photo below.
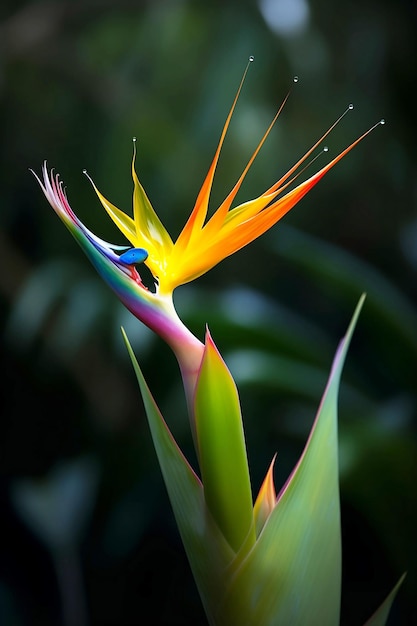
(198, 215)
(221, 214)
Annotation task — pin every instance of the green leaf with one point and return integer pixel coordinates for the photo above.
(293, 574)
(222, 450)
(380, 616)
(207, 551)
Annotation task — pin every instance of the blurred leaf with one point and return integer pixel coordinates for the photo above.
(244, 317)
(85, 305)
(10, 610)
(347, 276)
(259, 369)
(58, 507)
(46, 286)
(128, 520)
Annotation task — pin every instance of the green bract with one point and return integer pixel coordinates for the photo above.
(222, 451)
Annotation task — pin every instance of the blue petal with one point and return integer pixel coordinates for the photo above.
(134, 255)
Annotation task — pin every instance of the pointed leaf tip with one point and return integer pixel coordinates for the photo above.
(379, 618)
(266, 500)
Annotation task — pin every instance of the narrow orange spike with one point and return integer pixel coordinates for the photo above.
(248, 229)
(294, 168)
(220, 215)
(252, 207)
(243, 229)
(198, 215)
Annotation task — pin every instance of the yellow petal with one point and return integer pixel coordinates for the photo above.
(155, 237)
(123, 222)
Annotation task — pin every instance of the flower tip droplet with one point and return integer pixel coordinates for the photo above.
(326, 149)
(251, 58)
(382, 121)
(295, 79)
(350, 107)
(134, 139)
(87, 175)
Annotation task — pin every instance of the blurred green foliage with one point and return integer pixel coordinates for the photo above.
(77, 81)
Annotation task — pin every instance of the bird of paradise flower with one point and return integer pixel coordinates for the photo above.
(201, 244)
(277, 561)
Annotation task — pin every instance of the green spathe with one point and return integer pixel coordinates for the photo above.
(222, 450)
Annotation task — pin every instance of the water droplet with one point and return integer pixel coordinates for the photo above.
(134, 139)
(382, 121)
(350, 107)
(326, 149)
(295, 79)
(84, 171)
(251, 58)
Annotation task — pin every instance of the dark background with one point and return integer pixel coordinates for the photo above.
(83, 506)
